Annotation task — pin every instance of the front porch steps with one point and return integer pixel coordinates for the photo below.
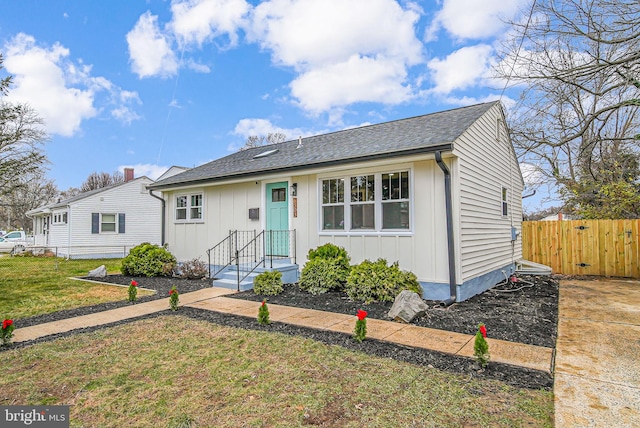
(228, 278)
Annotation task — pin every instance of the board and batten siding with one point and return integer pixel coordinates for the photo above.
(486, 163)
(421, 250)
(226, 207)
(142, 216)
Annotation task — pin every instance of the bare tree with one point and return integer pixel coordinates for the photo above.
(98, 180)
(34, 191)
(262, 140)
(579, 64)
(21, 141)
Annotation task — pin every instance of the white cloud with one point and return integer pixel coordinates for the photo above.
(461, 69)
(40, 77)
(198, 21)
(150, 170)
(344, 52)
(473, 19)
(197, 67)
(259, 127)
(356, 80)
(150, 50)
(304, 33)
(62, 92)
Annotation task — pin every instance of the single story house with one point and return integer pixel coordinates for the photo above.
(101, 223)
(441, 194)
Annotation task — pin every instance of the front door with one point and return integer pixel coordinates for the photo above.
(277, 238)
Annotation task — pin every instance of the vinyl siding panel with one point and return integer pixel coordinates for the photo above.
(486, 163)
(142, 213)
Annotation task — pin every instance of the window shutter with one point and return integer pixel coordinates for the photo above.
(95, 222)
(121, 223)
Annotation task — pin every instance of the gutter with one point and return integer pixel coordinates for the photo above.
(450, 238)
(164, 204)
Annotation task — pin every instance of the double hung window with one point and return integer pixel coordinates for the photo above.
(374, 202)
(189, 207)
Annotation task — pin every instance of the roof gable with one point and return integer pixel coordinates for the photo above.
(425, 133)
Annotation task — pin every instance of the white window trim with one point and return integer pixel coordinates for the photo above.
(108, 232)
(59, 218)
(377, 231)
(504, 200)
(188, 208)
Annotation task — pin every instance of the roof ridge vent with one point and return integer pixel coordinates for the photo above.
(299, 142)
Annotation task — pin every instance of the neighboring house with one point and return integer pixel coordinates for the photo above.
(441, 194)
(104, 222)
(171, 172)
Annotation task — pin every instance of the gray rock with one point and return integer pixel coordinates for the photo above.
(407, 306)
(99, 272)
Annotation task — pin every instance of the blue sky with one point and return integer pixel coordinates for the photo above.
(150, 84)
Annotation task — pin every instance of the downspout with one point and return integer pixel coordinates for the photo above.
(164, 204)
(450, 238)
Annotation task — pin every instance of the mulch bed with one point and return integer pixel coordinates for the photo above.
(523, 312)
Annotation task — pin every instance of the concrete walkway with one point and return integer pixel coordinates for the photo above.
(597, 371)
(534, 357)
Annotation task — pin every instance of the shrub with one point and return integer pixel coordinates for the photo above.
(268, 283)
(371, 282)
(321, 275)
(174, 298)
(481, 347)
(330, 251)
(263, 314)
(148, 260)
(192, 269)
(327, 269)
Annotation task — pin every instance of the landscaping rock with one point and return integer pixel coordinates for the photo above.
(407, 306)
(99, 272)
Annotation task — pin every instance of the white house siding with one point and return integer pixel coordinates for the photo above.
(59, 232)
(226, 207)
(422, 250)
(142, 218)
(485, 164)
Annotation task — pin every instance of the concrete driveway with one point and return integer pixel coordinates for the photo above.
(597, 366)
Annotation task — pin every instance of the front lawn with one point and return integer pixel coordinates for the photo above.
(175, 371)
(40, 285)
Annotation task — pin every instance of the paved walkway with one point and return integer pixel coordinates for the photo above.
(597, 363)
(597, 371)
(535, 357)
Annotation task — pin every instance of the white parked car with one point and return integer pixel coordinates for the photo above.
(15, 242)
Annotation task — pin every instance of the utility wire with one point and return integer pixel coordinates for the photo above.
(171, 107)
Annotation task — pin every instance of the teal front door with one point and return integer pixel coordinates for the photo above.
(277, 234)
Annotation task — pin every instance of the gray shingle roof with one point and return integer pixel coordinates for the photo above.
(397, 138)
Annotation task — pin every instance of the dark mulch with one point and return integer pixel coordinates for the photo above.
(520, 312)
(525, 311)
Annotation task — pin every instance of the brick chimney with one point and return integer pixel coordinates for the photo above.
(128, 174)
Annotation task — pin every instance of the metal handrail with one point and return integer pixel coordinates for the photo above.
(219, 255)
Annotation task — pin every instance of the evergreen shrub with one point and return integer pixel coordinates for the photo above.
(376, 281)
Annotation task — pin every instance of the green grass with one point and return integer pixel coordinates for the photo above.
(39, 285)
(174, 371)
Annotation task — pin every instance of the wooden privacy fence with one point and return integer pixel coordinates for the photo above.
(584, 247)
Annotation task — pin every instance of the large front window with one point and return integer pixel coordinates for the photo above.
(376, 202)
(395, 200)
(189, 207)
